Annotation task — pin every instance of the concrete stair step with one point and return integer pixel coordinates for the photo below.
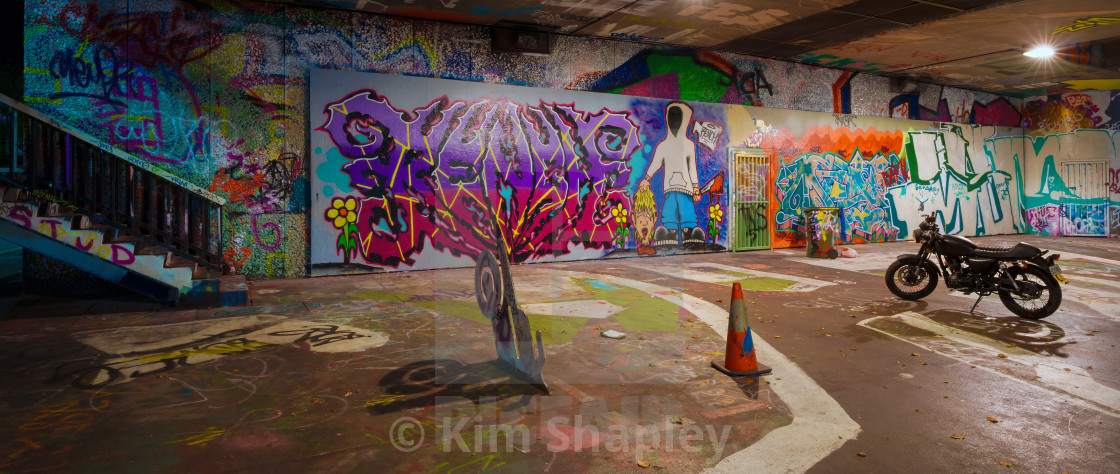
(54, 209)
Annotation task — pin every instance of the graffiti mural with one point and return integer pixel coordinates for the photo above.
(399, 185)
(1069, 180)
(217, 94)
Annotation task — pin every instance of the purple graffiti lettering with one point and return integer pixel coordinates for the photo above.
(267, 225)
(421, 171)
(22, 214)
(122, 255)
(84, 246)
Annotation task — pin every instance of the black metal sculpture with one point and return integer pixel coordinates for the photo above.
(493, 288)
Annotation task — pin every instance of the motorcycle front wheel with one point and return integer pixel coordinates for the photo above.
(1034, 305)
(910, 280)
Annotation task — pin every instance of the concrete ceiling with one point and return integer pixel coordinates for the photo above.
(974, 44)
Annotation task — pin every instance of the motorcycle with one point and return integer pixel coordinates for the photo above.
(1026, 280)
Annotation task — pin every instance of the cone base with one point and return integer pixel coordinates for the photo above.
(761, 370)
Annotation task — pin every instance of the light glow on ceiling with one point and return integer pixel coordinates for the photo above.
(1040, 51)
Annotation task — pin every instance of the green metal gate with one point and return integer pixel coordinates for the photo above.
(750, 199)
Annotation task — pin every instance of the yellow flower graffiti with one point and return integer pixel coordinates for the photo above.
(619, 214)
(342, 211)
(715, 213)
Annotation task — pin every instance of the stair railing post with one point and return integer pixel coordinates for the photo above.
(221, 242)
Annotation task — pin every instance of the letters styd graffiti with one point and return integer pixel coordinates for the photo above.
(556, 174)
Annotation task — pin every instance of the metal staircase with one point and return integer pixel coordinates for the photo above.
(68, 195)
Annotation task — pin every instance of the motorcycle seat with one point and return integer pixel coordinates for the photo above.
(1021, 250)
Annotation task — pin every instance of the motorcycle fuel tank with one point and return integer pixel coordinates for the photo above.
(956, 246)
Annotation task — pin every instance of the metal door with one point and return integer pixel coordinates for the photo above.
(750, 199)
(1084, 209)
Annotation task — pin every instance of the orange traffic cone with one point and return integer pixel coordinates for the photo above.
(740, 359)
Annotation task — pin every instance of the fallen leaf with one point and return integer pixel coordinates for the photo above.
(914, 354)
(861, 454)
(993, 420)
(1067, 369)
(1005, 463)
(348, 393)
(777, 337)
(828, 335)
(719, 301)
(643, 463)
(1088, 367)
(676, 420)
(956, 436)
(1002, 355)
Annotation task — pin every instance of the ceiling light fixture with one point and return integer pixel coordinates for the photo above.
(1040, 51)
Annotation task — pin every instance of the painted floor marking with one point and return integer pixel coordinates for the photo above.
(1078, 256)
(820, 425)
(800, 284)
(594, 309)
(865, 262)
(974, 349)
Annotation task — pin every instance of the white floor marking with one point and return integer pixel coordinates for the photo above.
(800, 284)
(594, 309)
(866, 262)
(974, 349)
(820, 425)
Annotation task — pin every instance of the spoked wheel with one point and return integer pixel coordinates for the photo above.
(910, 280)
(1039, 294)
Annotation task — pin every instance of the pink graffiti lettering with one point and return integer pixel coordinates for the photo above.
(87, 245)
(122, 255)
(22, 214)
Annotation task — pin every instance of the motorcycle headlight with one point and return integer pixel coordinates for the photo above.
(918, 235)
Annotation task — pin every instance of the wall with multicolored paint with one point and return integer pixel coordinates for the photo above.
(215, 92)
(407, 172)
(884, 174)
(1073, 185)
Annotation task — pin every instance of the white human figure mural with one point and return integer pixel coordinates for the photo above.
(676, 154)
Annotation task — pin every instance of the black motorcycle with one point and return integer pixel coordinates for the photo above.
(1026, 280)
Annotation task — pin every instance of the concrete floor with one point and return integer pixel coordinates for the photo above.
(396, 373)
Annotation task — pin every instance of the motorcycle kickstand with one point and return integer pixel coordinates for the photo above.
(974, 304)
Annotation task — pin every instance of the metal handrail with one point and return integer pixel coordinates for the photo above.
(60, 164)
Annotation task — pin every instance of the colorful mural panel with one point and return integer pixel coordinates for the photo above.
(1069, 180)
(407, 172)
(216, 93)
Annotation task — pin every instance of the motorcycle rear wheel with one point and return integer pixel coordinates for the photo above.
(910, 280)
(1037, 307)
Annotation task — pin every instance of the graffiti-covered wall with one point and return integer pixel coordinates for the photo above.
(408, 171)
(1074, 181)
(215, 91)
(884, 174)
